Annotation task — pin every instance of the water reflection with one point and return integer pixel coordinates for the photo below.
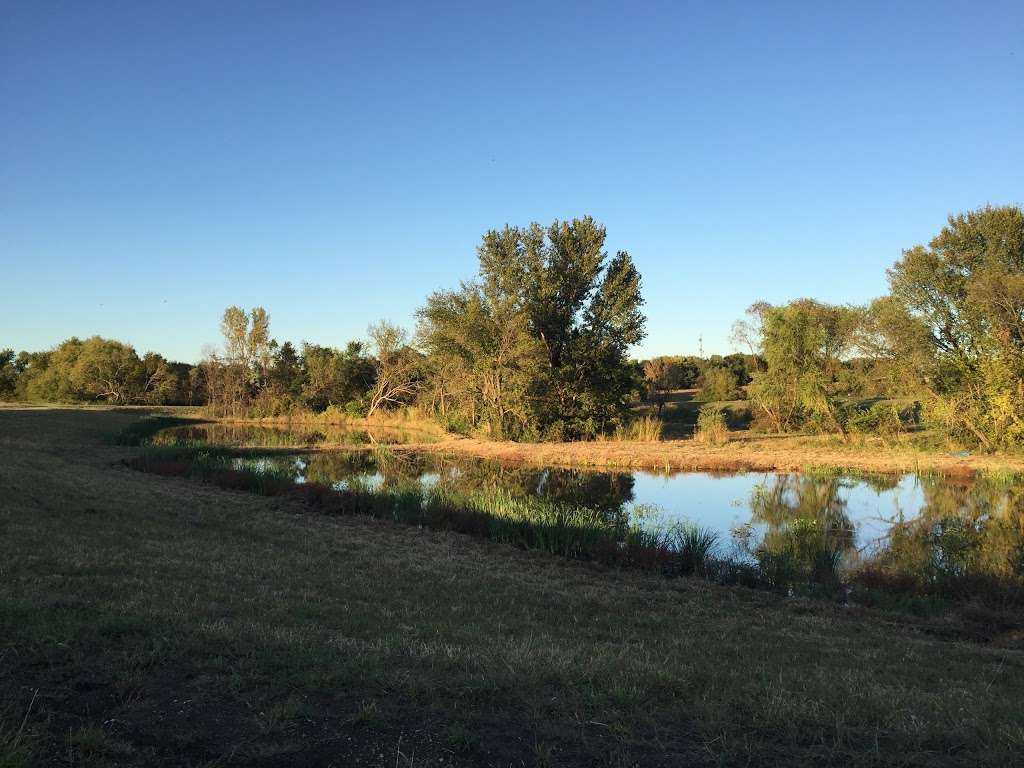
(609, 493)
(930, 528)
(962, 528)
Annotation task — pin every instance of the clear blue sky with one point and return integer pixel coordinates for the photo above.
(335, 163)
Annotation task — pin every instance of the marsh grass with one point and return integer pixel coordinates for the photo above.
(802, 557)
(712, 427)
(647, 429)
(404, 419)
(696, 547)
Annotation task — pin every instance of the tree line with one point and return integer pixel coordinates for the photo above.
(947, 342)
(536, 346)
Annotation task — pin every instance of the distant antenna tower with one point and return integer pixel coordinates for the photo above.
(700, 345)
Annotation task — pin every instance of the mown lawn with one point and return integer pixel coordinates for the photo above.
(147, 620)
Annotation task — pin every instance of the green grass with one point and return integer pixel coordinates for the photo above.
(143, 430)
(166, 621)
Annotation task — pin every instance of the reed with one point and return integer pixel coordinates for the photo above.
(647, 429)
(695, 547)
(712, 427)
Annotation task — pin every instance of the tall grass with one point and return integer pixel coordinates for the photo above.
(696, 547)
(712, 427)
(15, 745)
(799, 558)
(215, 465)
(645, 429)
(408, 419)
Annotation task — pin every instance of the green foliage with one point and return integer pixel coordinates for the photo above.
(885, 419)
(803, 344)
(286, 370)
(712, 426)
(719, 383)
(9, 374)
(952, 326)
(99, 369)
(328, 376)
(538, 345)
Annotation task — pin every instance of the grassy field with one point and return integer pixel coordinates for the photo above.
(149, 620)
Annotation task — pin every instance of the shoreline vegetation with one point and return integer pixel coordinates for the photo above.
(807, 558)
(742, 451)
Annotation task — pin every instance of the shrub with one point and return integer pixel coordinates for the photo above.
(719, 383)
(882, 419)
(712, 428)
(356, 408)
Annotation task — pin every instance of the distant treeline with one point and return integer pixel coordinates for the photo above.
(536, 347)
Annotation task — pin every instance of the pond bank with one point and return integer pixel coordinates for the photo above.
(743, 452)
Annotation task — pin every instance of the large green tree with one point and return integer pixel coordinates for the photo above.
(953, 325)
(483, 363)
(335, 376)
(803, 345)
(544, 331)
(9, 374)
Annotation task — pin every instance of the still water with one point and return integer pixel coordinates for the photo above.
(938, 523)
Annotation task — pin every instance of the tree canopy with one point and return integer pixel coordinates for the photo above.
(538, 342)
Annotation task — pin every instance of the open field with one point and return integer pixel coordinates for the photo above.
(147, 620)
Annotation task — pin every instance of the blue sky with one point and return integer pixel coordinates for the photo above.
(336, 163)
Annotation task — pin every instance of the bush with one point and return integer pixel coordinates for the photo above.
(357, 409)
(712, 428)
(882, 419)
(719, 383)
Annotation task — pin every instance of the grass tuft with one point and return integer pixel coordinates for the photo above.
(712, 427)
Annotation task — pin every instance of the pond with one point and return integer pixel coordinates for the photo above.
(926, 522)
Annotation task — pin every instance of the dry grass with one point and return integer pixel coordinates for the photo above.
(743, 451)
(640, 448)
(405, 419)
(712, 428)
(166, 622)
(643, 429)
